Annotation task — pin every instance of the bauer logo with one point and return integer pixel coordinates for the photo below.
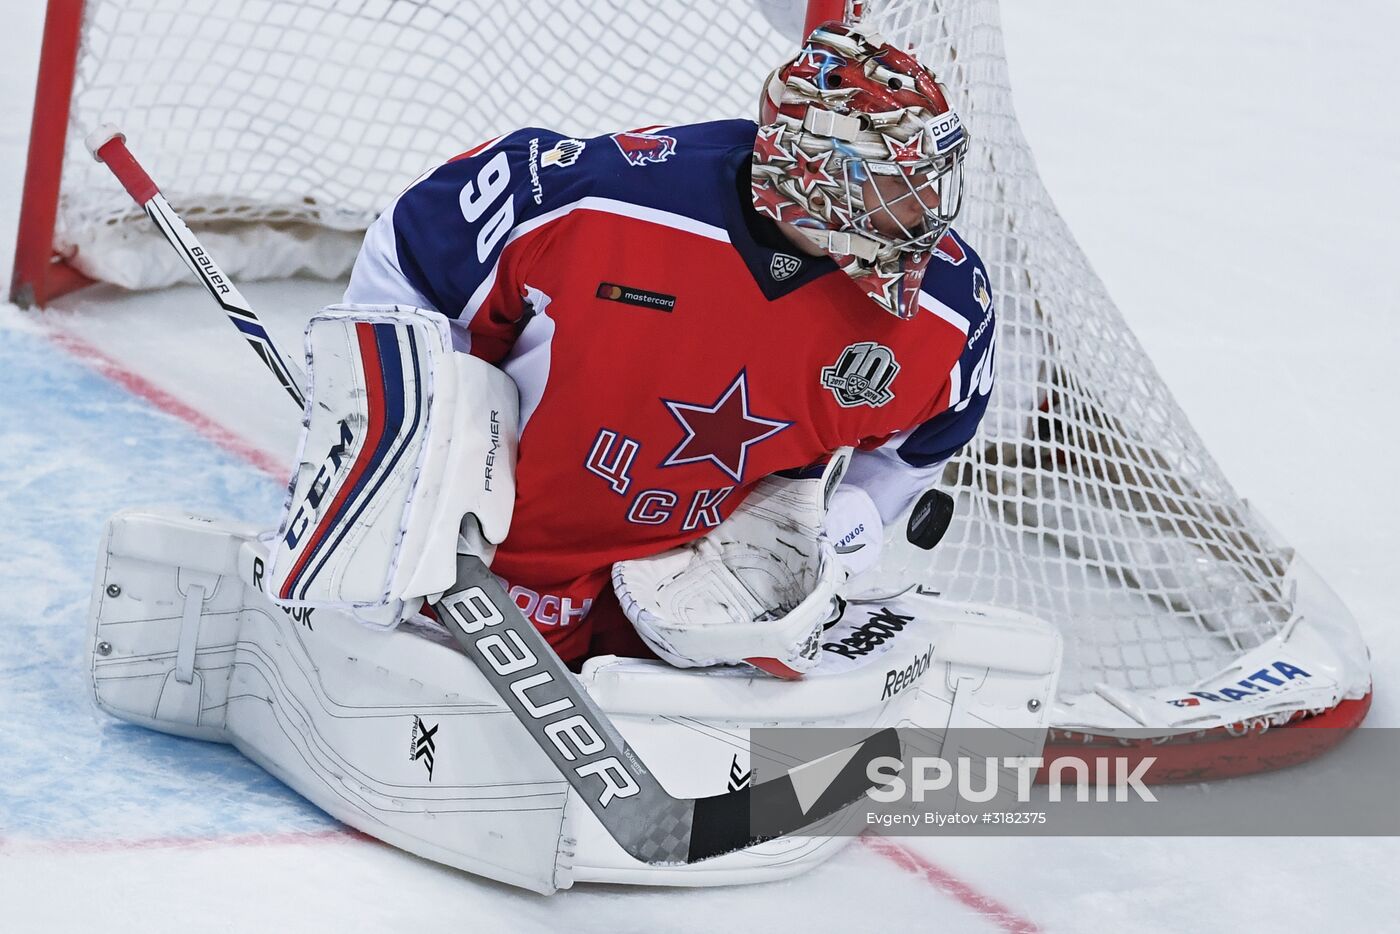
(209, 271)
(862, 375)
(537, 694)
(421, 745)
(644, 148)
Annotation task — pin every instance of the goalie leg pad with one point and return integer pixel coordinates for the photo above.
(403, 437)
(397, 734)
(394, 733)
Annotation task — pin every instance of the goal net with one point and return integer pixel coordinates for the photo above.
(280, 128)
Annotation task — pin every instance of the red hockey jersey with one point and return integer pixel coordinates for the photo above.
(670, 346)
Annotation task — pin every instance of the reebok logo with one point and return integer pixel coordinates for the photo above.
(421, 745)
(898, 679)
(865, 639)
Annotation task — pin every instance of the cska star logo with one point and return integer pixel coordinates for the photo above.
(817, 65)
(722, 432)
(887, 292)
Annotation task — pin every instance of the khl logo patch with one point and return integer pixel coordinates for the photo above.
(421, 743)
(862, 375)
(783, 266)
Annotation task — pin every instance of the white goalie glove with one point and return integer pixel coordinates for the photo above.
(404, 437)
(757, 589)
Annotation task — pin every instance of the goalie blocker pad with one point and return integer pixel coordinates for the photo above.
(403, 437)
(398, 734)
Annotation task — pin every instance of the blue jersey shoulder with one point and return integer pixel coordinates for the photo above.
(685, 170)
(957, 281)
(957, 288)
(452, 225)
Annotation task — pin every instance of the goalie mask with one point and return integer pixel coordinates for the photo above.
(860, 150)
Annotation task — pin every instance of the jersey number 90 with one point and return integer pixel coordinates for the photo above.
(477, 197)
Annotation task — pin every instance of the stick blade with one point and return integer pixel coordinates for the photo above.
(803, 796)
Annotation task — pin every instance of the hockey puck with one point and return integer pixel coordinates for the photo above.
(929, 519)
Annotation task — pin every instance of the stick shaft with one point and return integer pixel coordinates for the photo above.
(109, 147)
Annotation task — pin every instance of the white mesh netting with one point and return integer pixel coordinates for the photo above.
(1088, 499)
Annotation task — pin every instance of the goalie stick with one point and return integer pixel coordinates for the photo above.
(578, 737)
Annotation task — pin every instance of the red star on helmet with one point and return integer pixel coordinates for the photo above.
(769, 200)
(886, 291)
(912, 151)
(811, 171)
(767, 147)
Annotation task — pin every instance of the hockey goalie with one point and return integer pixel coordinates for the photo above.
(670, 386)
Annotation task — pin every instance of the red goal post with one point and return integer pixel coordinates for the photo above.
(40, 272)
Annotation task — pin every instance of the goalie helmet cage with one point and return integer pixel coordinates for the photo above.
(280, 127)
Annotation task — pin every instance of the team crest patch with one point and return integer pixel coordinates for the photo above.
(862, 375)
(563, 153)
(783, 266)
(642, 148)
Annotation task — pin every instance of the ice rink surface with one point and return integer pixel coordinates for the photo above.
(1233, 171)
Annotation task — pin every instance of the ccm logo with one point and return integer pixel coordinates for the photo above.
(317, 492)
(573, 736)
